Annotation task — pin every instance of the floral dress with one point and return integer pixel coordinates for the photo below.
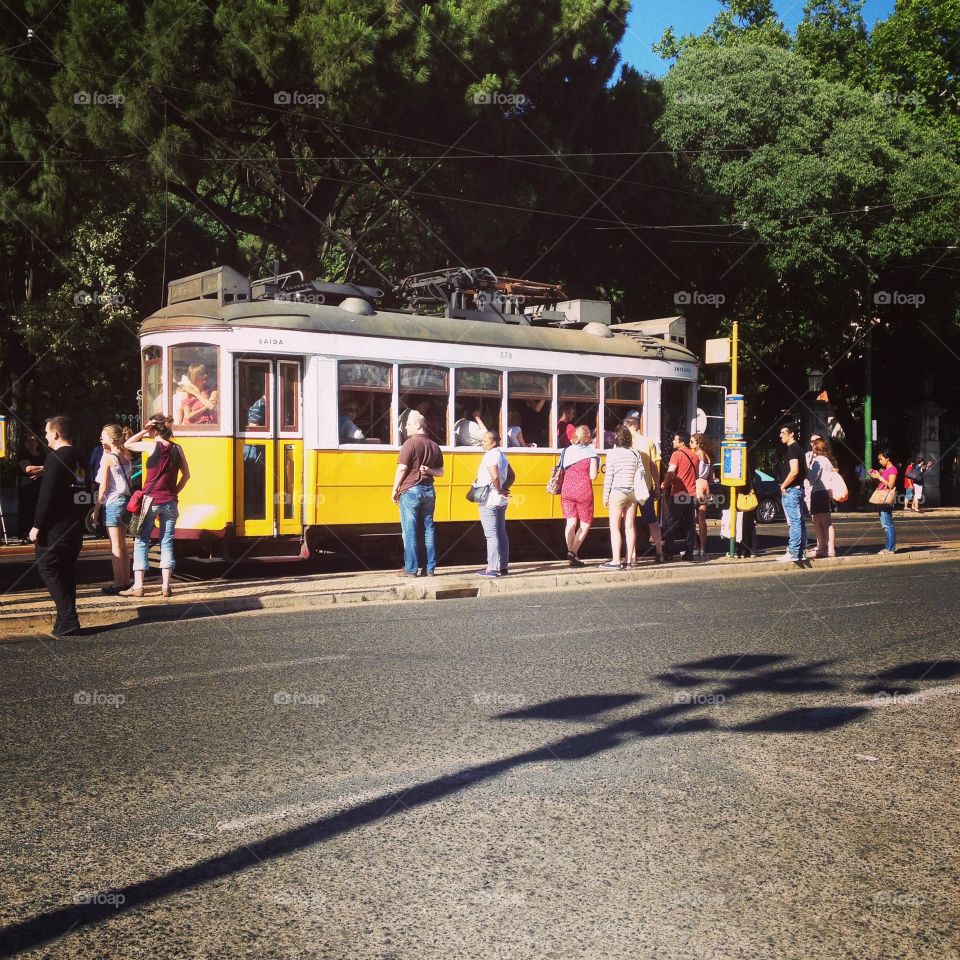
(576, 495)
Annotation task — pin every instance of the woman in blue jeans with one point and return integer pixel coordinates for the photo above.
(167, 475)
(887, 483)
(492, 473)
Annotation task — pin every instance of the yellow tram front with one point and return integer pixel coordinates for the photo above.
(291, 406)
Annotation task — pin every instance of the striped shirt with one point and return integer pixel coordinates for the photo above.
(623, 465)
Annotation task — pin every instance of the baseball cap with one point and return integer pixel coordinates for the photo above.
(632, 415)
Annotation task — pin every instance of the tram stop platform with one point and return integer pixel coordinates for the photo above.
(30, 613)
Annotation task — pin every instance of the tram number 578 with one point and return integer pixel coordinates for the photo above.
(506, 354)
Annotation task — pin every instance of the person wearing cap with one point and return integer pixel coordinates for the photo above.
(647, 450)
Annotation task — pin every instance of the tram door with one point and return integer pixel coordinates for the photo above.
(269, 447)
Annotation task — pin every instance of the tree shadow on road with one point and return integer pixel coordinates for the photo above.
(678, 712)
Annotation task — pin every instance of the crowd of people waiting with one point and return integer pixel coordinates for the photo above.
(53, 501)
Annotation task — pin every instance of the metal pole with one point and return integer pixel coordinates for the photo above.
(733, 389)
(868, 397)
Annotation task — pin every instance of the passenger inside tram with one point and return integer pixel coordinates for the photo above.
(472, 424)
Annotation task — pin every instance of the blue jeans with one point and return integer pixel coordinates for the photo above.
(793, 506)
(166, 515)
(494, 523)
(416, 514)
(889, 534)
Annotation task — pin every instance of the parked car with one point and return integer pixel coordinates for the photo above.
(769, 508)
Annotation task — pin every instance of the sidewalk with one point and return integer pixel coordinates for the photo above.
(30, 613)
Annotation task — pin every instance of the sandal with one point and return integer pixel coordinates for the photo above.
(166, 592)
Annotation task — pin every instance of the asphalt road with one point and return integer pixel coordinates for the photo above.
(856, 533)
(756, 769)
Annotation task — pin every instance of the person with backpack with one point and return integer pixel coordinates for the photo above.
(914, 480)
(680, 486)
(112, 494)
(167, 475)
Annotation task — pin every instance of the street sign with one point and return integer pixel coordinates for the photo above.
(717, 351)
(733, 416)
(733, 463)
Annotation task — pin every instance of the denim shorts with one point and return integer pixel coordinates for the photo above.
(115, 513)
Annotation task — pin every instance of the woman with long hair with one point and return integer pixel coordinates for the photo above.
(200, 402)
(114, 486)
(623, 477)
(167, 475)
(702, 447)
(821, 464)
(29, 475)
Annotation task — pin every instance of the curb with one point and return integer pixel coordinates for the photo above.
(453, 586)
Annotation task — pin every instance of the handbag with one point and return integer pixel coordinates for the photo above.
(555, 483)
(640, 489)
(478, 492)
(748, 501)
(837, 487)
(140, 500)
(884, 496)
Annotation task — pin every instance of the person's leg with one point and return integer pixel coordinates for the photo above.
(503, 540)
(582, 532)
(570, 534)
(49, 566)
(429, 502)
(167, 514)
(672, 515)
(831, 537)
(917, 498)
(408, 528)
(116, 555)
(690, 522)
(616, 542)
(141, 546)
(488, 520)
(792, 509)
(820, 528)
(702, 526)
(73, 545)
(630, 530)
(889, 535)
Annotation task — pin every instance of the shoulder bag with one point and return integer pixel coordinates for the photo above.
(555, 483)
(747, 501)
(884, 496)
(640, 489)
(837, 486)
(140, 500)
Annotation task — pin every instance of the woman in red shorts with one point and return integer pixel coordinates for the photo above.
(581, 465)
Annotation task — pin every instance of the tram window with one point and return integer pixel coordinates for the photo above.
(194, 378)
(425, 389)
(578, 403)
(620, 396)
(528, 409)
(365, 393)
(477, 403)
(152, 382)
(253, 397)
(674, 417)
(289, 397)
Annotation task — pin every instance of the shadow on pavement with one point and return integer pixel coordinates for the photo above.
(681, 714)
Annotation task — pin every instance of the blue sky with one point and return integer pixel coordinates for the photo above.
(649, 18)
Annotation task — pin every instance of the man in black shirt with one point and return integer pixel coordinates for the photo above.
(58, 524)
(793, 471)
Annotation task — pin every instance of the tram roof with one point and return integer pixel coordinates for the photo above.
(197, 315)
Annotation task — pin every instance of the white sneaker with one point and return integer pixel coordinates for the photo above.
(786, 558)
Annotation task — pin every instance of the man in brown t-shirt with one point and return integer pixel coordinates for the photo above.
(419, 462)
(680, 495)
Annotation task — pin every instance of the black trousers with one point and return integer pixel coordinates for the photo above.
(57, 552)
(682, 509)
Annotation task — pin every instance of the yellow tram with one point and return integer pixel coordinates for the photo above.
(289, 397)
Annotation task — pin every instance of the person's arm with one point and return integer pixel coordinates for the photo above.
(136, 444)
(608, 480)
(493, 468)
(48, 485)
(477, 416)
(668, 478)
(101, 482)
(397, 480)
(30, 469)
(791, 476)
(594, 467)
(426, 471)
(184, 468)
